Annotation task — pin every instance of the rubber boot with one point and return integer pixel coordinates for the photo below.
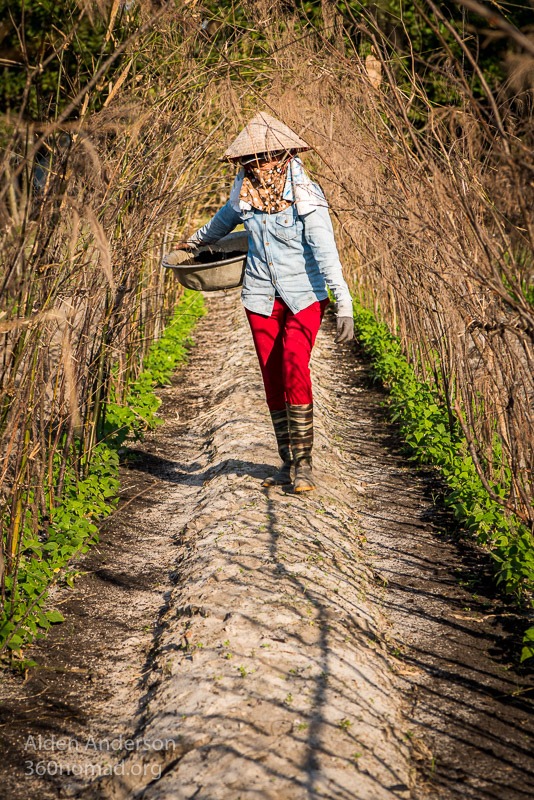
(301, 437)
(281, 430)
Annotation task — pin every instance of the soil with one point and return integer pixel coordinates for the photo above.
(229, 641)
(212, 256)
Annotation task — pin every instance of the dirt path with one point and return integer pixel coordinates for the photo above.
(230, 642)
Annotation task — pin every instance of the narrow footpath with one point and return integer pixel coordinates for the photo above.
(226, 641)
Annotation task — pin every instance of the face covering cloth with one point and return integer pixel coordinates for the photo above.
(298, 189)
(263, 187)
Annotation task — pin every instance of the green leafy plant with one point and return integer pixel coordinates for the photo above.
(433, 437)
(138, 412)
(72, 524)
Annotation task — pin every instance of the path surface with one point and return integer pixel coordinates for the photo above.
(233, 642)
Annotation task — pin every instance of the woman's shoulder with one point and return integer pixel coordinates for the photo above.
(308, 194)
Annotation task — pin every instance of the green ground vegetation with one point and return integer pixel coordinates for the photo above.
(432, 437)
(51, 543)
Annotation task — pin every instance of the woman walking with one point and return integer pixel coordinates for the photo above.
(292, 259)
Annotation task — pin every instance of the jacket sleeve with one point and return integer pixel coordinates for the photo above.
(319, 235)
(219, 225)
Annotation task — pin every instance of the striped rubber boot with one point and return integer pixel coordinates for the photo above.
(281, 430)
(301, 435)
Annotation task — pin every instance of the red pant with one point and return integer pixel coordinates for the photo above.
(284, 343)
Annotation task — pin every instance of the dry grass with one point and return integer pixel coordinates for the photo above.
(437, 230)
(83, 293)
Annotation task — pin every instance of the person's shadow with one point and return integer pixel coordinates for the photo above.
(190, 474)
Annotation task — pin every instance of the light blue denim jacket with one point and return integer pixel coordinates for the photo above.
(294, 255)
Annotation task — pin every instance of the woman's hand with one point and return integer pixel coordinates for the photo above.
(185, 246)
(345, 330)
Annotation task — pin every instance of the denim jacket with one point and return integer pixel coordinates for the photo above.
(296, 256)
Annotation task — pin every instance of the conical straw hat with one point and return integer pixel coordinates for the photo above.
(264, 134)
